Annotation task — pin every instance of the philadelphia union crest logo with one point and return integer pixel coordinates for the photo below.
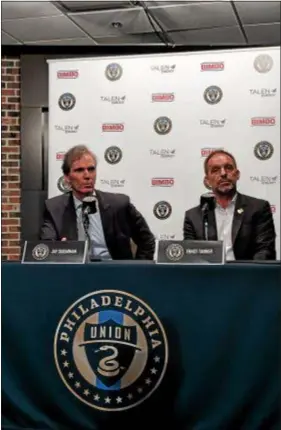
(62, 185)
(263, 150)
(113, 155)
(162, 210)
(113, 72)
(110, 350)
(67, 101)
(263, 63)
(40, 252)
(175, 252)
(213, 95)
(162, 125)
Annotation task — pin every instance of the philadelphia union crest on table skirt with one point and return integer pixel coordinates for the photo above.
(110, 350)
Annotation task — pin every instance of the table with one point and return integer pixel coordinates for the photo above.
(222, 325)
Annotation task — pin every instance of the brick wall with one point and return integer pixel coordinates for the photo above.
(10, 163)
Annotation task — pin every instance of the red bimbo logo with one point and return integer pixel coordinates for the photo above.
(205, 152)
(162, 182)
(110, 127)
(67, 74)
(266, 120)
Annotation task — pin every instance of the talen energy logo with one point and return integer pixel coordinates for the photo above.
(110, 350)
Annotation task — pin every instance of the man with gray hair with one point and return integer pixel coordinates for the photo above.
(112, 220)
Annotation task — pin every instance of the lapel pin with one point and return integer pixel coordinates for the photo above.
(240, 211)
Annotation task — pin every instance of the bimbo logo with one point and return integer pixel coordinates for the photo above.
(205, 152)
(67, 74)
(216, 66)
(60, 156)
(163, 97)
(113, 127)
(263, 121)
(162, 182)
(273, 209)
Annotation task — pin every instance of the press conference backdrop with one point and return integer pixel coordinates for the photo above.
(152, 120)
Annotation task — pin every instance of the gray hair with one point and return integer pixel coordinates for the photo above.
(73, 154)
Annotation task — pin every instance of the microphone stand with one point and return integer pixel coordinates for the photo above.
(86, 223)
(205, 219)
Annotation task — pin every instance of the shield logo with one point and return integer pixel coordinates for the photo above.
(263, 150)
(263, 63)
(110, 349)
(63, 186)
(162, 210)
(67, 101)
(113, 155)
(113, 72)
(175, 252)
(40, 252)
(213, 95)
(111, 359)
(163, 125)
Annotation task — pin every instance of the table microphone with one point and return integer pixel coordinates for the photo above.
(88, 207)
(207, 203)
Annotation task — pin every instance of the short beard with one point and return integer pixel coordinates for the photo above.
(227, 193)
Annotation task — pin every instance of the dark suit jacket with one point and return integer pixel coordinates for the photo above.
(120, 219)
(253, 232)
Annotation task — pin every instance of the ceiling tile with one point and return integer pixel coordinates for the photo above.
(263, 34)
(195, 16)
(75, 6)
(32, 29)
(254, 12)
(212, 36)
(27, 9)
(167, 3)
(131, 39)
(175, 3)
(81, 41)
(8, 40)
(99, 24)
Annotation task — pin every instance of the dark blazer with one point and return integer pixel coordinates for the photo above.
(120, 219)
(253, 232)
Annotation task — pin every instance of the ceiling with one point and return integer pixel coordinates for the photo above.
(170, 23)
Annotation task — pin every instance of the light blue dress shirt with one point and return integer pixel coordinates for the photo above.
(224, 220)
(98, 247)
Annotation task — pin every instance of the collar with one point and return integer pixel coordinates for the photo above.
(231, 203)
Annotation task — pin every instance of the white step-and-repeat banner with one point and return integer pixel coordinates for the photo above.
(151, 120)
